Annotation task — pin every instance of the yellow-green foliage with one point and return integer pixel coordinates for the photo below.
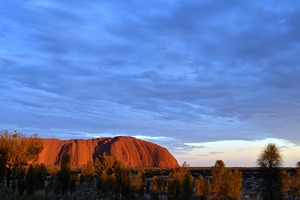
(227, 184)
(296, 181)
(269, 162)
(207, 190)
(157, 186)
(89, 170)
(17, 150)
(199, 186)
(233, 189)
(113, 176)
(53, 169)
(180, 184)
(139, 182)
(219, 181)
(107, 163)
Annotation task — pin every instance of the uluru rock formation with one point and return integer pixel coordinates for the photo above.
(131, 151)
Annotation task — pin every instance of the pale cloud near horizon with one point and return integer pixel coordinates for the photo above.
(235, 152)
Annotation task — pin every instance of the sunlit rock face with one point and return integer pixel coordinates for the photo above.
(131, 151)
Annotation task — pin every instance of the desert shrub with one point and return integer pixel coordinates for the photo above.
(199, 188)
(139, 183)
(30, 181)
(89, 170)
(233, 189)
(125, 183)
(64, 175)
(102, 183)
(148, 184)
(2, 174)
(207, 191)
(21, 181)
(296, 181)
(227, 184)
(53, 170)
(269, 162)
(113, 177)
(40, 171)
(158, 184)
(218, 180)
(188, 185)
(180, 184)
(16, 151)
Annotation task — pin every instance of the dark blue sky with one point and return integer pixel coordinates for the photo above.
(182, 74)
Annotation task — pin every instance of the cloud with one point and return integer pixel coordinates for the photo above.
(216, 152)
(192, 71)
(161, 138)
(233, 152)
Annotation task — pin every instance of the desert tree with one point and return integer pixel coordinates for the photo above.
(199, 188)
(180, 184)
(89, 170)
(296, 181)
(17, 150)
(233, 185)
(218, 179)
(188, 186)
(270, 157)
(103, 185)
(121, 175)
(174, 184)
(97, 166)
(107, 163)
(185, 164)
(30, 181)
(105, 167)
(270, 161)
(64, 175)
(207, 190)
(148, 184)
(227, 184)
(158, 184)
(21, 181)
(139, 183)
(124, 182)
(285, 181)
(39, 172)
(117, 176)
(3, 159)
